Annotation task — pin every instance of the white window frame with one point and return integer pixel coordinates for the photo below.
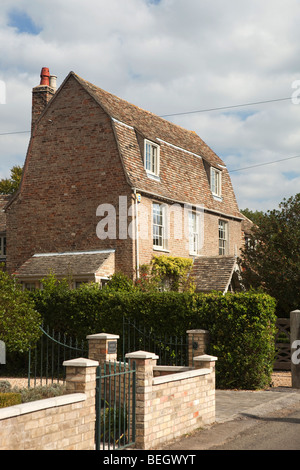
(159, 226)
(223, 237)
(151, 158)
(194, 233)
(216, 182)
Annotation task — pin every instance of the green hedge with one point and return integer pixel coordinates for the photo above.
(241, 326)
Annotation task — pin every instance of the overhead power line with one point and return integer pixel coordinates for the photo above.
(226, 107)
(191, 112)
(13, 133)
(264, 164)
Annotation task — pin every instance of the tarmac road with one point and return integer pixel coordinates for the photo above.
(245, 420)
(279, 431)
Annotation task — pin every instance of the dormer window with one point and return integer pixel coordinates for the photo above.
(216, 182)
(151, 158)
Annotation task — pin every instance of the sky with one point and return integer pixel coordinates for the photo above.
(230, 71)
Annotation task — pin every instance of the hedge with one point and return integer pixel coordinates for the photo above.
(241, 326)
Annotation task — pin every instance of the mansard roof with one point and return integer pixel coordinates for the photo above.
(185, 159)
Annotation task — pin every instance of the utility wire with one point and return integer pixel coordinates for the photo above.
(208, 110)
(264, 164)
(226, 107)
(13, 133)
(192, 112)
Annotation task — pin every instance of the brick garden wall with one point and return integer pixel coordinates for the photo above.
(170, 402)
(61, 423)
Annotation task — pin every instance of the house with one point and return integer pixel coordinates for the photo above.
(4, 199)
(106, 185)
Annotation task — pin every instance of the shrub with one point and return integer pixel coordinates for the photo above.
(40, 392)
(19, 321)
(241, 326)
(9, 399)
(5, 386)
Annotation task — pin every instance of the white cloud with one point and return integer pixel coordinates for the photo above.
(171, 56)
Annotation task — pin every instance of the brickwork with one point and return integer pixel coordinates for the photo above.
(61, 423)
(198, 341)
(172, 405)
(170, 402)
(72, 166)
(178, 240)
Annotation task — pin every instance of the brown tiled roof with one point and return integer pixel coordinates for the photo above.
(183, 175)
(247, 225)
(213, 273)
(63, 264)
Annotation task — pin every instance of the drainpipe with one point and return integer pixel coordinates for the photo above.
(136, 236)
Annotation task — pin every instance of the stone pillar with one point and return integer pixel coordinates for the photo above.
(198, 341)
(81, 378)
(205, 362)
(103, 347)
(145, 361)
(295, 347)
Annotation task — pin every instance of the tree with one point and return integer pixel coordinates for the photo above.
(254, 216)
(19, 321)
(272, 258)
(11, 185)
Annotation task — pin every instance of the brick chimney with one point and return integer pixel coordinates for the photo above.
(42, 94)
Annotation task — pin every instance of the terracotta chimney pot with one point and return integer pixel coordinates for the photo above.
(45, 76)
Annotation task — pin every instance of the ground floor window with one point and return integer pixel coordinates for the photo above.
(223, 237)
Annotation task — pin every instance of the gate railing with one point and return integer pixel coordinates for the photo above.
(115, 405)
(45, 359)
(171, 350)
(282, 345)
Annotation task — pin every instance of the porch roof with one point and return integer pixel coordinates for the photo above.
(74, 264)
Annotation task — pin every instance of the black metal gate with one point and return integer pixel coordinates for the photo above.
(171, 350)
(45, 359)
(115, 405)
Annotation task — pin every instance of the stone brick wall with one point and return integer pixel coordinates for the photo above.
(62, 423)
(172, 405)
(170, 402)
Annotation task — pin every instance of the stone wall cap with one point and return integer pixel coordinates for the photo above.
(141, 355)
(197, 331)
(103, 336)
(81, 362)
(205, 358)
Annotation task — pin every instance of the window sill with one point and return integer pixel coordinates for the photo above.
(217, 198)
(158, 248)
(152, 176)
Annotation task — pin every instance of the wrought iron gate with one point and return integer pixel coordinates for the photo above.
(45, 359)
(115, 405)
(171, 350)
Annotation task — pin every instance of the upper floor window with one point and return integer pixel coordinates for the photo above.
(223, 237)
(216, 182)
(151, 157)
(2, 246)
